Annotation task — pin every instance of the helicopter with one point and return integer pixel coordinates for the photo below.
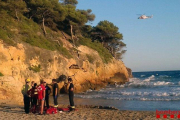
(145, 17)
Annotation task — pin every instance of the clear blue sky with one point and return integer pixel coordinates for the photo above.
(152, 44)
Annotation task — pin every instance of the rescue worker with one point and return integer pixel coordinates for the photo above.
(34, 95)
(31, 98)
(55, 92)
(41, 96)
(48, 91)
(26, 97)
(71, 94)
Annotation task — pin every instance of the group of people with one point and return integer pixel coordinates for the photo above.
(37, 96)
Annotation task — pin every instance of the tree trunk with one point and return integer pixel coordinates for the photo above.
(115, 55)
(72, 34)
(32, 15)
(63, 35)
(112, 51)
(16, 13)
(44, 26)
(102, 42)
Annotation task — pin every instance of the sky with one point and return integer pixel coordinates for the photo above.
(152, 44)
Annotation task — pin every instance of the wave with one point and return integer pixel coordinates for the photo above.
(132, 93)
(149, 82)
(164, 76)
(129, 98)
(143, 75)
(150, 78)
(154, 87)
(154, 94)
(147, 99)
(176, 89)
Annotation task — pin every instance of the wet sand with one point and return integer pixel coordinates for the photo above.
(16, 112)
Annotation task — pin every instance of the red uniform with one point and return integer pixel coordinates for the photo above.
(33, 92)
(40, 90)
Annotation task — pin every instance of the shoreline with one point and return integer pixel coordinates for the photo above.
(90, 112)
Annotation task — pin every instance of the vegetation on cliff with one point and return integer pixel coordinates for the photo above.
(43, 23)
(35, 68)
(1, 74)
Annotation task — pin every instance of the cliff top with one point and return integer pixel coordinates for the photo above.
(58, 26)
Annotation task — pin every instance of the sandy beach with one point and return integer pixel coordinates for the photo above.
(16, 112)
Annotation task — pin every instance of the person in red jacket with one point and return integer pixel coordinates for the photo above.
(34, 94)
(41, 96)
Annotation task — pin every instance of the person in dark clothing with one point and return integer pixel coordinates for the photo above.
(26, 104)
(71, 94)
(34, 95)
(55, 92)
(31, 98)
(48, 91)
(24, 91)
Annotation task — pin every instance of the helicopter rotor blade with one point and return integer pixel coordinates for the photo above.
(138, 14)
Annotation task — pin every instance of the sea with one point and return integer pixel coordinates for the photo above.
(146, 91)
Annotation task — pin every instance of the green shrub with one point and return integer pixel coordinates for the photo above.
(6, 37)
(103, 52)
(35, 68)
(1, 74)
(29, 32)
(90, 58)
(65, 52)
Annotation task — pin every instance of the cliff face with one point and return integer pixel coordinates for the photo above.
(86, 69)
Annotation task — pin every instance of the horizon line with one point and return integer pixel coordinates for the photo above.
(158, 71)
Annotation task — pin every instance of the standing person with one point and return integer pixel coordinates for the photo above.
(31, 98)
(71, 94)
(55, 92)
(26, 97)
(34, 95)
(48, 91)
(41, 96)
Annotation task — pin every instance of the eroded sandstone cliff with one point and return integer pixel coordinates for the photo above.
(25, 61)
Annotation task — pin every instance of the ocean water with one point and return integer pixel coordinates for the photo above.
(149, 91)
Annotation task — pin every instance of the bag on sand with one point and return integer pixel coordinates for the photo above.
(51, 110)
(67, 109)
(64, 109)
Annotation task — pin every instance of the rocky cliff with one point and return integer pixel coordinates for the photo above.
(85, 67)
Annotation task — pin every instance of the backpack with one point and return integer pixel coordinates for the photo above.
(51, 110)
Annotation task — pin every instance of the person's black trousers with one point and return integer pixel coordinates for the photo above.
(55, 100)
(26, 103)
(47, 101)
(34, 101)
(31, 101)
(71, 100)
